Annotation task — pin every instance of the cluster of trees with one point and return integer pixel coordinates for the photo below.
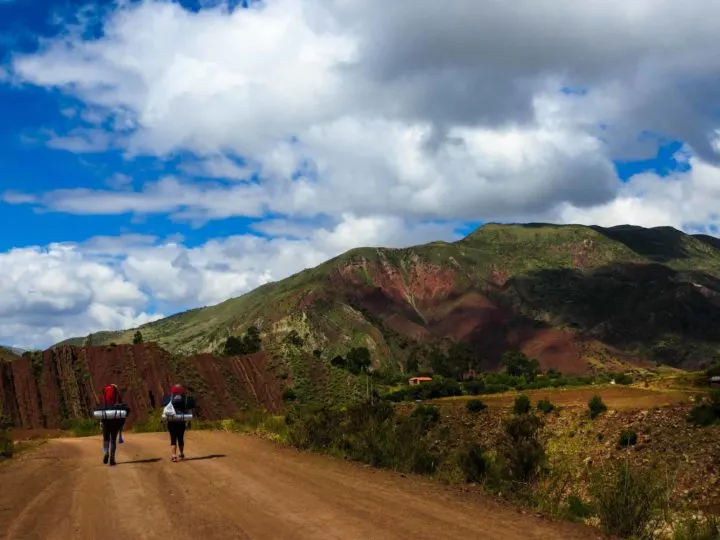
(248, 343)
(520, 373)
(355, 361)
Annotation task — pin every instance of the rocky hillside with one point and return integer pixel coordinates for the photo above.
(45, 390)
(575, 297)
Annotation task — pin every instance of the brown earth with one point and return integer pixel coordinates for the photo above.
(615, 397)
(64, 383)
(236, 486)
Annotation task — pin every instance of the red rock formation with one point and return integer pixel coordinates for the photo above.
(42, 390)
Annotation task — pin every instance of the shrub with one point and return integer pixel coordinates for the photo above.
(475, 405)
(545, 406)
(289, 394)
(475, 387)
(627, 438)
(429, 415)
(520, 448)
(698, 528)
(152, 424)
(706, 413)
(474, 464)
(522, 404)
(623, 378)
(596, 407)
(7, 448)
(81, 427)
(627, 499)
(577, 508)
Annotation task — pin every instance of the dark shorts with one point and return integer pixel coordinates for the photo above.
(111, 428)
(177, 433)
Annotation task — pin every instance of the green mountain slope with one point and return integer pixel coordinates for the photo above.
(573, 296)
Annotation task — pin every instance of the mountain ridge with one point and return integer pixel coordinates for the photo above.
(575, 288)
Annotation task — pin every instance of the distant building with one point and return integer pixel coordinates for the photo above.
(714, 381)
(418, 380)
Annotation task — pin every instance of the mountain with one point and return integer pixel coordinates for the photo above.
(577, 298)
(8, 354)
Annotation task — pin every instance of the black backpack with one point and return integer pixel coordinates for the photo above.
(183, 403)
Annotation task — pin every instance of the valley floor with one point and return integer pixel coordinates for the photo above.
(235, 486)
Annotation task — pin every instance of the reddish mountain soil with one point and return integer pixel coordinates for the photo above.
(427, 304)
(65, 383)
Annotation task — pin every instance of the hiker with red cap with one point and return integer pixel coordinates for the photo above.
(112, 414)
(177, 413)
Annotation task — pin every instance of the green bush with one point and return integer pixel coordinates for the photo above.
(628, 499)
(474, 464)
(596, 407)
(522, 404)
(153, 424)
(475, 387)
(545, 406)
(706, 413)
(698, 528)
(289, 394)
(475, 405)
(429, 415)
(577, 508)
(624, 379)
(81, 427)
(370, 433)
(521, 449)
(7, 447)
(627, 438)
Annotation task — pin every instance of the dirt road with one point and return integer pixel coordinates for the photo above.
(235, 486)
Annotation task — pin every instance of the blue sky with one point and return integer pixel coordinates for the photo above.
(157, 156)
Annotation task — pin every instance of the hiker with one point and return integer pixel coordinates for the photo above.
(177, 409)
(112, 424)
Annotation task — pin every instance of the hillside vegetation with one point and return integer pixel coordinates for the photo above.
(576, 298)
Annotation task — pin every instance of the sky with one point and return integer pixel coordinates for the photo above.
(157, 156)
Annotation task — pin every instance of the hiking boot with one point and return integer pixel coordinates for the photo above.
(112, 461)
(105, 459)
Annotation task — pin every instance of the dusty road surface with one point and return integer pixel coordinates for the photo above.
(234, 486)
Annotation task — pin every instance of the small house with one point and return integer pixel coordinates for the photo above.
(714, 381)
(419, 380)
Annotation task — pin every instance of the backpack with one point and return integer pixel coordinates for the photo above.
(182, 403)
(111, 395)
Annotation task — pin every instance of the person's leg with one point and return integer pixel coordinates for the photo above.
(113, 441)
(181, 439)
(106, 440)
(173, 440)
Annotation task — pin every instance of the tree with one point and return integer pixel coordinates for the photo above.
(234, 346)
(358, 359)
(89, 340)
(138, 337)
(248, 344)
(252, 340)
(519, 365)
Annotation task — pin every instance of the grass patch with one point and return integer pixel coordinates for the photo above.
(81, 427)
(630, 500)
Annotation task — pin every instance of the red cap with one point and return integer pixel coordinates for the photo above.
(177, 389)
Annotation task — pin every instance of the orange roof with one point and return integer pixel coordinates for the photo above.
(421, 378)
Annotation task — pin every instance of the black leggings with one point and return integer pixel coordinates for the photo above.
(177, 433)
(111, 428)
